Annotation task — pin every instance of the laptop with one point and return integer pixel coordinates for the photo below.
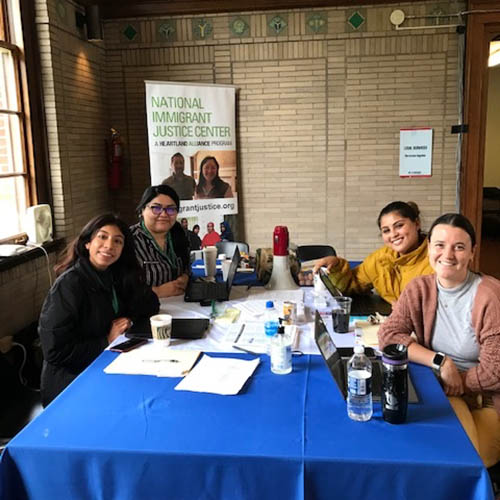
(182, 328)
(362, 305)
(206, 291)
(336, 361)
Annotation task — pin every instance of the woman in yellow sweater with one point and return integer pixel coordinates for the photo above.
(389, 269)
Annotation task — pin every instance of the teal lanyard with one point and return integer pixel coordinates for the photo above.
(114, 300)
(169, 252)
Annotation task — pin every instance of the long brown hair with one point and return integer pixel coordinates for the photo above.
(217, 183)
(127, 264)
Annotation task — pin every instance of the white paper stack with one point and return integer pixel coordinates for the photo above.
(224, 376)
(152, 359)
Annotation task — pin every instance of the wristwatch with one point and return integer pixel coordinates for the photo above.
(438, 362)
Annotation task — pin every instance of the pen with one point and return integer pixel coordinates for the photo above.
(161, 360)
(239, 333)
(248, 351)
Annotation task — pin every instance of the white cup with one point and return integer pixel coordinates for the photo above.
(226, 264)
(161, 328)
(210, 261)
(222, 257)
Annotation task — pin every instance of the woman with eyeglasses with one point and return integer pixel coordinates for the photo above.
(450, 322)
(390, 268)
(100, 289)
(161, 245)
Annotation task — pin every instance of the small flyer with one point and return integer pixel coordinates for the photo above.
(415, 152)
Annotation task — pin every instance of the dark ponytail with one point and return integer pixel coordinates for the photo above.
(456, 220)
(408, 210)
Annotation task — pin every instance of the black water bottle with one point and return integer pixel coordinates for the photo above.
(395, 383)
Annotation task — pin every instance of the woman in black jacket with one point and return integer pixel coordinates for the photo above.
(99, 291)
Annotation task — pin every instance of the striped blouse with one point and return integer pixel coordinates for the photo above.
(157, 268)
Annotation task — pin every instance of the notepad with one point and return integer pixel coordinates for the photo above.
(225, 376)
(155, 360)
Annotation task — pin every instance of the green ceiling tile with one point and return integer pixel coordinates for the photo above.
(130, 32)
(356, 20)
(202, 29)
(165, 31)
(277, 25)
(240, 26)
(316, 22)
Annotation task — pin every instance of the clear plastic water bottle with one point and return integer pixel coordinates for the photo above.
(281, 352)
(271, 323)
(359, 393)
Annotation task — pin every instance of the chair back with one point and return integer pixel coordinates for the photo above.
(228, 247)
(314, 252)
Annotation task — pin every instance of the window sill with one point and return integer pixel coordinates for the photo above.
(35, 252)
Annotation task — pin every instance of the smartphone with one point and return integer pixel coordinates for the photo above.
(128, 345)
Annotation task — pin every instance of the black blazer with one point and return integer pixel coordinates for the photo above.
(76, 318)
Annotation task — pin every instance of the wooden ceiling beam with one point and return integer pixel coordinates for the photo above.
(113, 9)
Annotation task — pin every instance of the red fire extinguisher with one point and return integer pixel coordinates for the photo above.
(114, 171)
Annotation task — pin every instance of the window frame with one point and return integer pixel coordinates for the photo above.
(27, 69)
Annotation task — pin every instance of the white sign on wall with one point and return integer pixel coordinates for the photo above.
(415, 152)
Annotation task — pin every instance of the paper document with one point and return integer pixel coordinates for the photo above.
(152, 359)
(224, 376)
(252, 307)
(248, 334)
(369, 333)
(251, 334)
(260, 292)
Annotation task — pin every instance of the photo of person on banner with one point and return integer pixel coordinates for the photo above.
(194, 239)
(212, 237)
(184, 185)
(210, 185)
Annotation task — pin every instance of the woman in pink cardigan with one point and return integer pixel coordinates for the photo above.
(454, 315)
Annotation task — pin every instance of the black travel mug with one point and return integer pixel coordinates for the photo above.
(395, 383)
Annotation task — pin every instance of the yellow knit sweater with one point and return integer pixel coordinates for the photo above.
(385, 270)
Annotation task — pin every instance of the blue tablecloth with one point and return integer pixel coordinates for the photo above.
(240, 279)
(284, 437)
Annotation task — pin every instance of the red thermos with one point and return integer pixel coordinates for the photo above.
(280, 240)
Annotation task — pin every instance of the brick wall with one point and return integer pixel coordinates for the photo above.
(319, 113)
(22, 291)
(75, 108)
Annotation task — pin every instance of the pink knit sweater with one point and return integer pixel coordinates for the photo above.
(415, 311)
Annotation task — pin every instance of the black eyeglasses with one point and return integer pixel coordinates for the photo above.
(158, 209)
